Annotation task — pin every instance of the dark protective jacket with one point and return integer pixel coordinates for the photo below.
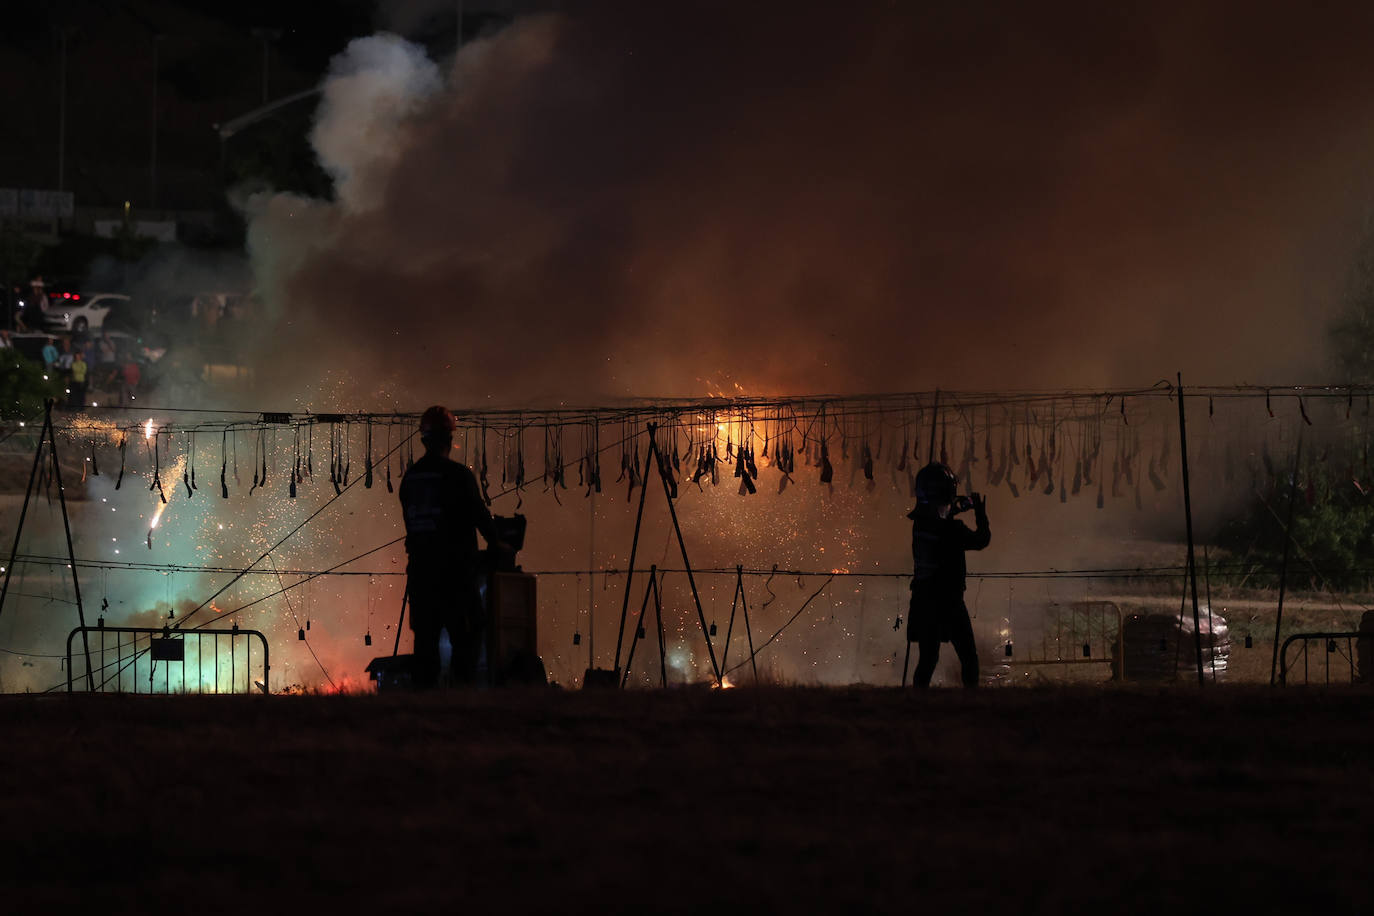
(937, 550)
(443, 510)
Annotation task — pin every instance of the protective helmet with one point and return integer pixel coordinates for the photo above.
(936, 484)
(436, 423)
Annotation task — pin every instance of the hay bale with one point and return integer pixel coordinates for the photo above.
(1158, 648)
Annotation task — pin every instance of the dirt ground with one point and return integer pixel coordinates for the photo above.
(772, 800)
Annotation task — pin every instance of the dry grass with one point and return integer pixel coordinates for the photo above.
(807, 800)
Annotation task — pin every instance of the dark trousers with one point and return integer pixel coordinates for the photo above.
(443, 597)
(954, 624)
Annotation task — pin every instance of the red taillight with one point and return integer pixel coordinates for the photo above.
(76, 296)
(66, 295)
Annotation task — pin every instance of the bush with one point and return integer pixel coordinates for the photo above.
(22, 387)
(1333, 536)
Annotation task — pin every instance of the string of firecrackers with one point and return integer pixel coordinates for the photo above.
(1054, 442)
(686, 411)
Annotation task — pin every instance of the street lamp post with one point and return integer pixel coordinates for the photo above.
(61, 110)
(266, 36)
(152, 154)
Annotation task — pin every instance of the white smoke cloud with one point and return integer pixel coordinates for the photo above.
(373, 88)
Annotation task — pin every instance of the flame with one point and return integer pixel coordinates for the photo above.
(726, 683)
(148, 429)
(157, 516)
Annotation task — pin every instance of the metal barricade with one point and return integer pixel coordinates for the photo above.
(1332, 648)
(163, 659)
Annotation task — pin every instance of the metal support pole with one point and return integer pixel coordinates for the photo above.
(1211, 631)
(634, 549)
(662, 646)
(62, 110)
(686, 563)
(591, 576)
(1283, 568)
(1188, 517)
(639, 623)
(152, 146)
(404, 597)
(934, 423)
(730, 627)
(748, 630)
(71, 552)
(24, 510)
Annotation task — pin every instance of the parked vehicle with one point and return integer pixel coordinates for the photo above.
(78, 312)
(130, 316)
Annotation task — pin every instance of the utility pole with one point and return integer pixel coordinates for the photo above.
(1188, 521)
(61, 109)
(266, 36)
(152, 157)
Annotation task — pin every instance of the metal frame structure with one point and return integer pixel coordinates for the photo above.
(168, 646)
(1306, 638)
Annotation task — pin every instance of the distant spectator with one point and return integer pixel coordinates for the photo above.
(106, 361)
(5, 343)
(64, 361)
(50, 355)
(39, 299)
(80, 369)
(18, 304)
(207, 308)
(131, 379)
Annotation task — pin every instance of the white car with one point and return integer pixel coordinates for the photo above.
(77, 312)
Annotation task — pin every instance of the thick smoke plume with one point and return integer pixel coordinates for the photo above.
(619, 200)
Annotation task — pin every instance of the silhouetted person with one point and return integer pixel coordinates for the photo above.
(443, 511)
(938, 542)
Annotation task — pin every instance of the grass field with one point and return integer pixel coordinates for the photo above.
(773, 800)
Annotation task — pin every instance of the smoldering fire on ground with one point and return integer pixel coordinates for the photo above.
(1076, 483)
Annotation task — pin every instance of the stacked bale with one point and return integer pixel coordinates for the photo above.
(1159, 648)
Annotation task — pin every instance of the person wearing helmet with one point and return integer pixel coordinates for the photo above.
(938, 542)
(443, 509)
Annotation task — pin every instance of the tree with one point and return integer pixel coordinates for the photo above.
(1333, 518)
(1352, 334)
